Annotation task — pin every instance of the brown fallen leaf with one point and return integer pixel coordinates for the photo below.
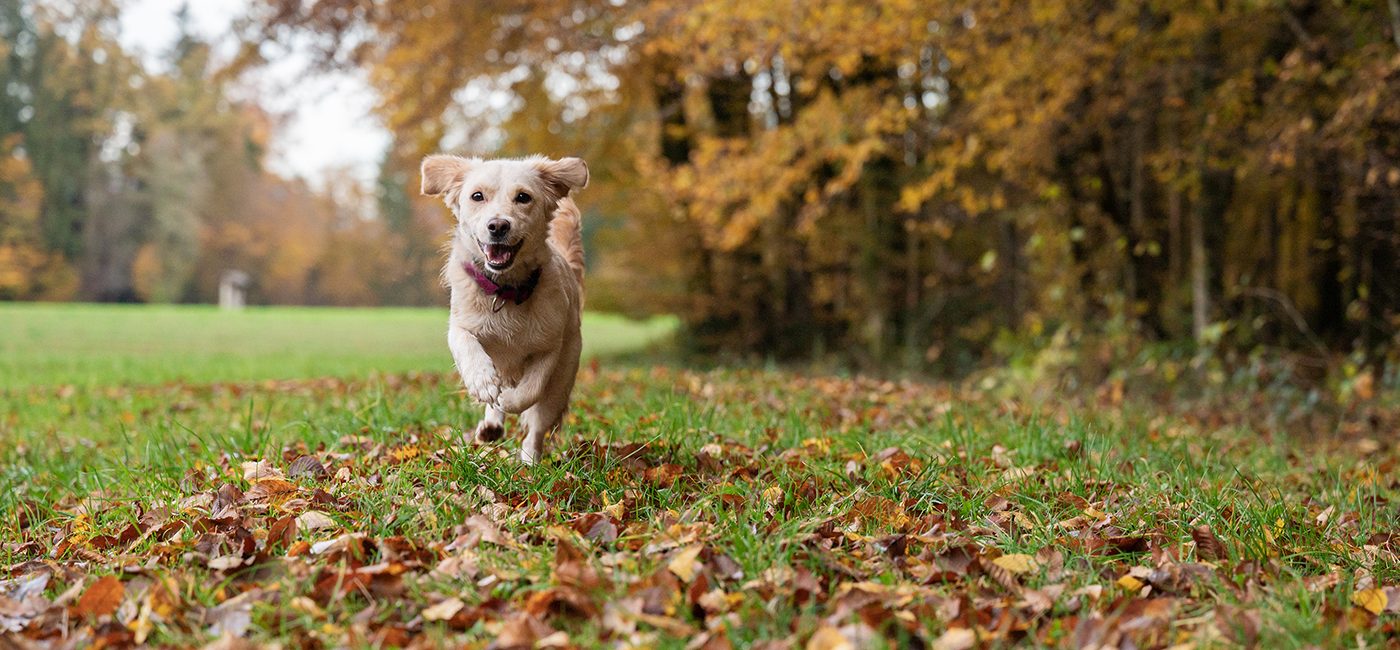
(572, 568)
(270, 488)
(563, 600)
(477, 529)
(520, 633)
(663, 475)
(307, 467)
(596, 527)
(100, 599)
(1208, 547)
(282, 533)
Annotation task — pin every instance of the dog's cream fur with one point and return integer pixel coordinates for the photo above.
(523, 358)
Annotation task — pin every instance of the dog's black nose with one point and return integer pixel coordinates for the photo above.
(498, 227)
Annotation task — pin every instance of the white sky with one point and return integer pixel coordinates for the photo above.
(327, 123)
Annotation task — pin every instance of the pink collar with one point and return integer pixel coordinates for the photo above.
(517, 293)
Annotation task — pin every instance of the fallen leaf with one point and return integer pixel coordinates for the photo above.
(307, 467)
(829, 638)
(572, 568)
(1208, 547)
(520, 633)
(259, 469)
(1017, 563)
(476, 530)
(314, 520)
(226, 562)
(21, 600)
(100, 599)
(663, 475)
(685, 563)
(307, 606)
(269, 488)
(234, 616)
(955, 638)
(1372, 600)
(444, 610)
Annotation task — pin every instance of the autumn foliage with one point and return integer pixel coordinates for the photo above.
(901, 180)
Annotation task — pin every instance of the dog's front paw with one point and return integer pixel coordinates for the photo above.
(487, 432)
(484, 387)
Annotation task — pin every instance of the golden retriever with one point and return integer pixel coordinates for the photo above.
(515, 271)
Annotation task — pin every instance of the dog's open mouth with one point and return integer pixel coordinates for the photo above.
(499, 256)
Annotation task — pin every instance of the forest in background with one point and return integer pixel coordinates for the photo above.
(928, 184)
(122, 181)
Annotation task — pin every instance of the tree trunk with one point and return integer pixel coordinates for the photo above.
(1200, 293)
(1395, 21)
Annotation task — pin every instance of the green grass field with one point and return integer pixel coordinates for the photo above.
(728, 508)
(102, 345)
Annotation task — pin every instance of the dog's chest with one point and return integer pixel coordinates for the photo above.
(515, 332)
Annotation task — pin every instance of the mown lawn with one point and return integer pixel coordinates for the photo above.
(727, 508)
(103, 345)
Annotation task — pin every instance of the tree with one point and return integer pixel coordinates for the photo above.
(913, 181)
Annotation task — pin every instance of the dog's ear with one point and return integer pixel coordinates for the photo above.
(564, 175)
(443, 173)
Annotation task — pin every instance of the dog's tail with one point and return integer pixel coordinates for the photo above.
(566, 233)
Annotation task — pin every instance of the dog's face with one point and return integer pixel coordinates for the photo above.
(503, 207)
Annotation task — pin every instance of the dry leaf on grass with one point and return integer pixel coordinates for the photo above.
(1017, 563)
(444, 610)
(313, 520)
(100, 599)
(686, 563)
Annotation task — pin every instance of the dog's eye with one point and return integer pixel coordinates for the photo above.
(478, 197)
(522, 198)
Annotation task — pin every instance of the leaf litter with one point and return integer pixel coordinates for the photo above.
(818, 539)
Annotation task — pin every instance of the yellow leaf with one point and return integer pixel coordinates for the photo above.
(957, 638)
(1130, 583)
(829, 638)
(444, 610)
(1371, 600)
(1017, 563)
(685, 563)
(307, 606)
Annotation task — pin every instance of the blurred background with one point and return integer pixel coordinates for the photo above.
(1098, 192)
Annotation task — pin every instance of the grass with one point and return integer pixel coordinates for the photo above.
(104, 345)
(814, 508)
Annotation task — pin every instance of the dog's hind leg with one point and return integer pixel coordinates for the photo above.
(540, 421)
(543, 419)
(492, 425)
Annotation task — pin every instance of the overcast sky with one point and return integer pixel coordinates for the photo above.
(328, 123)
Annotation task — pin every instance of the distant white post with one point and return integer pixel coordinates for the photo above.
(233, 285)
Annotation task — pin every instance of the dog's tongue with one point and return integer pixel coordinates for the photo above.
(499, 254)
